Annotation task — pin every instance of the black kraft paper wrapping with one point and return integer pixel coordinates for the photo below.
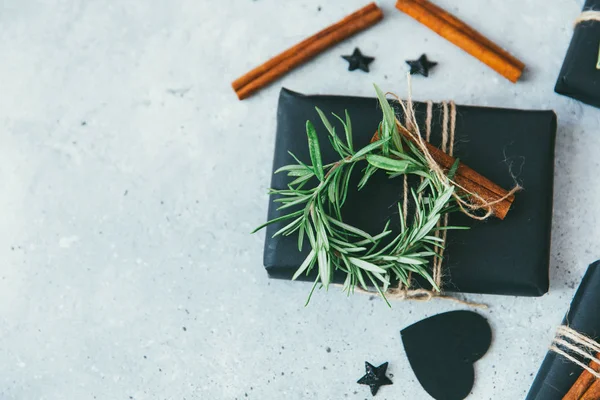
(557, 374)
(579, 77)
(508, 257)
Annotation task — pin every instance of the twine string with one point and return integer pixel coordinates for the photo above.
(590, 16)
(569, 343)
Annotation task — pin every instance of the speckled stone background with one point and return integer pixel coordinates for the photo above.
(131, 176)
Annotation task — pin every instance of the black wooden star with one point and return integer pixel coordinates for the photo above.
(421, 66)
(358, 61)
(375, 377)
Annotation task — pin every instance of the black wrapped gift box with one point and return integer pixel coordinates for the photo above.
(557, 375)
(508, 257)
(579, 77)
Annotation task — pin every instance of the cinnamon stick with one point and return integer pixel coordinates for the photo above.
(593, 393)
(583, 383)
(469, 179)
(305, 50)
(454, 30)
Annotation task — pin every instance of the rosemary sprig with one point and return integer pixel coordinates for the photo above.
(366, 259)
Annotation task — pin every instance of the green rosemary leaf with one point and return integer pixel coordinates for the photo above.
(383, 278)
(338, 249)
(312, 291)
(310, 234)
(300, 172)
(404, 156)
(336, 147)
(346, 184)
(386, 163)
(401, 215)
(284, 192)
(442, 200)
(278, 219)
(374, 238)
(289, 227)
(422, 254)
(336, 143)
(351, 229)
(367, 266)
(323, 219)
(301, 179)
(321, 235)
(299, 200)
(349, 130)
(315, 151)
(331, 191)
(345, 248)
(369, 172)
(434, 239)
(379, 290)
(424, 185)
(427, 227)
(449, 228)
(291, 167)
(309, 261)
(368, 148)
(356, 272)
(288, 198)
(301, 236)
(390, 130)
(423, 272)
(402, 276)
(298, 161)
(336, 240)
(453, 169)
(355, 249)
(337, 183)
(412, 171)
(347, 284)
(410, 260)
(324, 269)
(414, 150)
(326, 122)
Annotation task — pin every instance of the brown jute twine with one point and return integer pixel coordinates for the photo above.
(587, 16)
(576, 347)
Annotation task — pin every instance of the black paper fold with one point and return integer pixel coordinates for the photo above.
(579, 77)
(557, 375)
(501, 257)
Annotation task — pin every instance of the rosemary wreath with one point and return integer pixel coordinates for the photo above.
(366, 259)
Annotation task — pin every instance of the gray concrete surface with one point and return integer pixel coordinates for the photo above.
(131, 176)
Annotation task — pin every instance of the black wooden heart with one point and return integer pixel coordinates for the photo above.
(442, 349)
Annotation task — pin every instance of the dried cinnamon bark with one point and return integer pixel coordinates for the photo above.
(462, 35)
(305, 50)
(584, 384)
(593, 393)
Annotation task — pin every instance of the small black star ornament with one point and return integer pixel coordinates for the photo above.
(421, 66)
(375, 377)
(358, 61)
